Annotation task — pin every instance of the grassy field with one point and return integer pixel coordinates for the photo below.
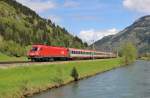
(4, 58)
(15, 82)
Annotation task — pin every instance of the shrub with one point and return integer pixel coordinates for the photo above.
(129, 53)
(75, 74)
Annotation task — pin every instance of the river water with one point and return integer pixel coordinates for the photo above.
(126, 82)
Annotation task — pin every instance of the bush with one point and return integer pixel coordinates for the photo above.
(129, 53)
(75, 74)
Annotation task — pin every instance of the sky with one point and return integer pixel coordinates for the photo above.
(90, 19)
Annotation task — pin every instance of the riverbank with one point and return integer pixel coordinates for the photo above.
(126, 82)
(145, 58)
(25, 81)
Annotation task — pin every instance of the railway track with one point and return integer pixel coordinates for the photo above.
(26, 63)
(8, 64)
(14, 62)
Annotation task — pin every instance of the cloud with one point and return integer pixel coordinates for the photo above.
(92, 35)
(71, 4)
(38, 5)
(138, 5)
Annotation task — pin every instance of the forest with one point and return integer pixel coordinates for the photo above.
(20, 27)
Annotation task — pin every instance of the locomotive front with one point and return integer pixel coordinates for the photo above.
(34, 52)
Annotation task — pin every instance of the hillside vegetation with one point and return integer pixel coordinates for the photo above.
(6, 58)
(21, 27)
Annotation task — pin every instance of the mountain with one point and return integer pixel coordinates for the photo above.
(138, 33)
(21, 27)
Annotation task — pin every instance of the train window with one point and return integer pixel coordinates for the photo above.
(41, 49)
(76, 52)
(72, 52)
(34, 49)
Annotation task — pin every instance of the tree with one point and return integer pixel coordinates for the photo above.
(129, 53)
(75, 74)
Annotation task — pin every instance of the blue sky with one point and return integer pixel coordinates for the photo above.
(90, 19)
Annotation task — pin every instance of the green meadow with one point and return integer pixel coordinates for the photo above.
(19, 81)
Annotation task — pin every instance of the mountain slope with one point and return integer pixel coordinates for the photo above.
(138, 33)
(21, 26)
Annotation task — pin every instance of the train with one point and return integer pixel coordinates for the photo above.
(49, 53)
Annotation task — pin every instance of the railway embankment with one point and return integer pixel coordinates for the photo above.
(22, 81)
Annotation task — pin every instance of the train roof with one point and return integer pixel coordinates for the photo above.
(74, 49)
(39, 45)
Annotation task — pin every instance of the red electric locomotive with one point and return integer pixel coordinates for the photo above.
(46, 53)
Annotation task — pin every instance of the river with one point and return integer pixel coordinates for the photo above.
(127, 82)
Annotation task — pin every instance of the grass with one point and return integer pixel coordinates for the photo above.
(15, 82)
(4, 58)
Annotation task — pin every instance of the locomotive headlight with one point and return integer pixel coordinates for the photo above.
(34, 54)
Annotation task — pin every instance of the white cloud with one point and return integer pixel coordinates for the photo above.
(91, 35)
(38, 5)
(71, 4)
(138, 5)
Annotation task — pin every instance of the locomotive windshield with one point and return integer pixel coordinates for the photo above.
(34, 49)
